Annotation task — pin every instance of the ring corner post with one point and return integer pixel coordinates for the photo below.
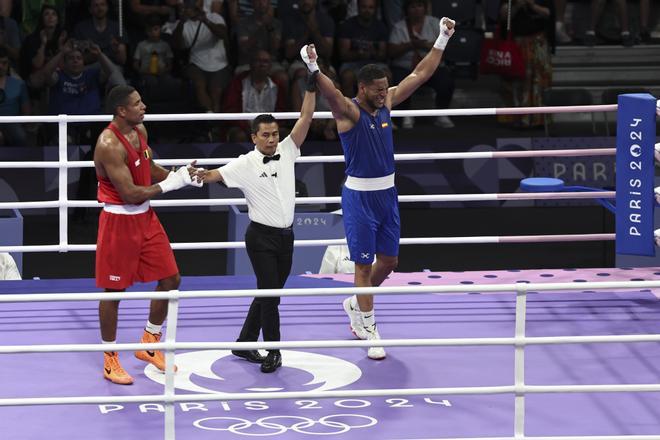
(636, 119)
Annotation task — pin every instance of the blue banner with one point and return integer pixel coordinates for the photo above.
(634, 174)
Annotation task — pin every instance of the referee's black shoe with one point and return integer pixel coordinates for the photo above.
(273, 362)
(249, 355)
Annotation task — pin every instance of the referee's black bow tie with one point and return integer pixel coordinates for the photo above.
(269, 158)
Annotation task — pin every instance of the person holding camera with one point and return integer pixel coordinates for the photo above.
(204, 35)
(75, 89)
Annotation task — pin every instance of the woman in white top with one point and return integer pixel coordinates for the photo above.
(204, 34)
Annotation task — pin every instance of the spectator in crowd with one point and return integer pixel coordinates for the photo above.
(74, 89)
(141, 10)
(597, 7)
(14, 101)
(238, 9)
(10, 39)
(42, 44)
(102, 31)
(6, 8)
(531, 25)
(261, 31)
(204, 34)
(152, 60)
(393, 11)
(361, 40)
(410, 41)
(307, 24)
(254, 91)
(644, 15)
(321, 129)
(213, 6)
(561, 35)
(37, 49)
(32, 13)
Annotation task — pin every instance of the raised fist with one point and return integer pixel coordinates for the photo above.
(447, 26)
(309, 57)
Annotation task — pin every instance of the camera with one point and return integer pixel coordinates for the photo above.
(81, 45)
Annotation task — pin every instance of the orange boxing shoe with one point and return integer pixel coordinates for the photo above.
(113, 371)
(156, 357)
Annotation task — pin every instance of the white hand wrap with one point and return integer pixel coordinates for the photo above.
(195, 182)
(175, 180)
(311, 65)
(445, 33)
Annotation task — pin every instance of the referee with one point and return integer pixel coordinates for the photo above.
(266, 177)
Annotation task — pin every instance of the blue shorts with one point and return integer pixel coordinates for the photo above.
(371, 223)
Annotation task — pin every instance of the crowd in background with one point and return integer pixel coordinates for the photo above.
(235, 55)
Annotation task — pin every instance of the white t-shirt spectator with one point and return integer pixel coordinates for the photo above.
(399, 34)
(209, 52)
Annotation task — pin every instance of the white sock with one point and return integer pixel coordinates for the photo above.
(369, 320)
(108, 343)
(153, 328)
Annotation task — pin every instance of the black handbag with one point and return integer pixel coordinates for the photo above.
(183, 55)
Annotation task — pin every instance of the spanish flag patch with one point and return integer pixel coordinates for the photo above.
(146, 154)
(384, 124)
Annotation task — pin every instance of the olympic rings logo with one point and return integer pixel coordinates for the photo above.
(274, 425)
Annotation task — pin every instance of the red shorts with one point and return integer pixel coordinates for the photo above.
(132, 248)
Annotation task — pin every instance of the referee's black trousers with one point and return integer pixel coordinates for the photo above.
(271, 254)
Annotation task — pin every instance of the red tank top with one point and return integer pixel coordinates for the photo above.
(138, 163)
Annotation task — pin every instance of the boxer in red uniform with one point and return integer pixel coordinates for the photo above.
(131, 245)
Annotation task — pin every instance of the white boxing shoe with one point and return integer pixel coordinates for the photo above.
(375, 353)
(357, 328)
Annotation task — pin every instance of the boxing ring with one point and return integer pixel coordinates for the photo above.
(488, 355)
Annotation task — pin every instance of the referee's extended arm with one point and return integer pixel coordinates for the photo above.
(300, 129)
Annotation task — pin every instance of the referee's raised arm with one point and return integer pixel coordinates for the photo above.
(301, 127)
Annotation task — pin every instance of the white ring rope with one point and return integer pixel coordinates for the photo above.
(333, 199)
(318, 115)
(576, 152)
(326, 291)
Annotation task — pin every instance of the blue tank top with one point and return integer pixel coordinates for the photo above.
(369, 146)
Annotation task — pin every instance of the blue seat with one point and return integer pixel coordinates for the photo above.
(463, 52)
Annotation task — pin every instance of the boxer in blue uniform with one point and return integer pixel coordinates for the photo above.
(369, 197)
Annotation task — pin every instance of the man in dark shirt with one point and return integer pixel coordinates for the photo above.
(361, 40)
(102, 31)
(304, 25)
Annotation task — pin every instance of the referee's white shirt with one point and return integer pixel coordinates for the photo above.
(269, 189)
